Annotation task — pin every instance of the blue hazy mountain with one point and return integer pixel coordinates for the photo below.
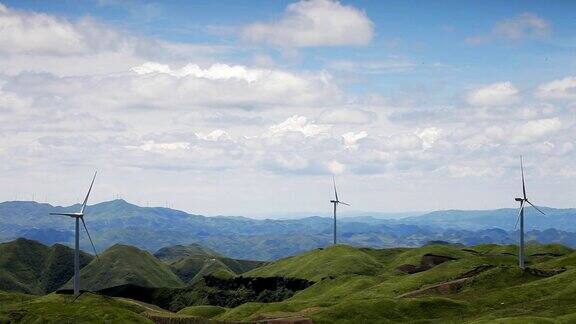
(152, 228)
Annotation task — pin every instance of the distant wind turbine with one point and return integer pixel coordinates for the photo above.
(520, 219)
(79, 217)
(336, 201)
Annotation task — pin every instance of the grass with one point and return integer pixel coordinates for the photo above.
(31, 267)
(54, 308)
(205, 311)
(361, 285)
(367, 291)
(122, 264)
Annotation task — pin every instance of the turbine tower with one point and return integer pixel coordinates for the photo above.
(79, 217)
(520, 219)
(336, 201)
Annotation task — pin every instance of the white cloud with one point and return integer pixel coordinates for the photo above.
(536, 129)
(496, 94)
(429, 136)
(215, 135)
(153, 146)
(558, 89)
(38, 33)
(351, 138)
(314, 23)
(298, 124)
(214, 72)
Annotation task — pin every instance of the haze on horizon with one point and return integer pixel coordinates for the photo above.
(242, 109)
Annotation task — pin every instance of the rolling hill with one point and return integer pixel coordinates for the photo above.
(445, 283)
(122, 264)
(438, 283)
(192, 262)
(31, 267)
(174, 253)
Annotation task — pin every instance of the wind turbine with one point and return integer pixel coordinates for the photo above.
(79, 217)
(520, 219)
(336, 201)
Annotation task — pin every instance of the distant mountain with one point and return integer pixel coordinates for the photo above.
(122, 264)
(31, 267)
(151, 229)
(561, 219)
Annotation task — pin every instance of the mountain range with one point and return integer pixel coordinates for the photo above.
(152, 228)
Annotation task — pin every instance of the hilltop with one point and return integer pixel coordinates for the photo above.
(123, 264)
(31, 267)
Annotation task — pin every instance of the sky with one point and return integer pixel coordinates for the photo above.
(249, 107)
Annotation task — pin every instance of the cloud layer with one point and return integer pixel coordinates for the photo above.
(174, 121)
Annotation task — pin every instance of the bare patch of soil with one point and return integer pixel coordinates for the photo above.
(427, 262)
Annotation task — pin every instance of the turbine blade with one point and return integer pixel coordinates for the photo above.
(335, 192)
(519, 212)
(538, 209)
(86, 228)
(343, 203)
(64, 214)
(88, 194)
(523, 183)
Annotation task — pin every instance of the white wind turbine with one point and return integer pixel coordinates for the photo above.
(520, 219)
(336, 201)
(79, 217)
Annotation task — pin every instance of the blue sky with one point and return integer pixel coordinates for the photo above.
(391, 96)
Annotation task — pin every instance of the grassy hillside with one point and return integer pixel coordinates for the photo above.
(472, 284)
(31, 267)
(122, 264)
(321, 263)
(54, 308)
(192, 262)
(174, 253)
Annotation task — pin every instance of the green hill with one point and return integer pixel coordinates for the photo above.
(192, 262)
(320, 263)
(452, 284)
(174, 253)
(31, 267)
(122, 264)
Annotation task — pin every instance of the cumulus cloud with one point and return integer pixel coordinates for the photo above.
(502, 93)
(558, 89)
(429, 136)
(314, 23)
(297, 124)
